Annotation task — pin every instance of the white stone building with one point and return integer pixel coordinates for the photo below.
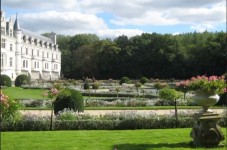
(25, 52)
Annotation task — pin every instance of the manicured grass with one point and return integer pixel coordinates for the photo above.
(164, 139)
(19, 93)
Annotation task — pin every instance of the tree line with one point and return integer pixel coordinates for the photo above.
(152, 55)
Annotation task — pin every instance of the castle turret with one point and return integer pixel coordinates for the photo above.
(18, 35)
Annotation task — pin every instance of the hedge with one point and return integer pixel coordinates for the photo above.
(158, 122)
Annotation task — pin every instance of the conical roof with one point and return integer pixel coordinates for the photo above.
(16, 25)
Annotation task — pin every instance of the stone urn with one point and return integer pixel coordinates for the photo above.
(206, 99)
(206, 132)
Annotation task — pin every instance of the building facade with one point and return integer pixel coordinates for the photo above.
(25, 52)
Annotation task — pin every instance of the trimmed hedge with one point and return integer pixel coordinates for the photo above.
(73, 101)
(112, 123)
(115, 95)
(144, 80)
(5, 80)
(22, 80)
(124, 80)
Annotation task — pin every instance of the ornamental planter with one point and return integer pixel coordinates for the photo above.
(206, 99)
(206, 132)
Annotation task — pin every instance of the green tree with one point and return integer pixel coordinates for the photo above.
(172, 95)
(138, 85)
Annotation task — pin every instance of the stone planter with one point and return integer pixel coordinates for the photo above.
(206, 132)
(205, 99)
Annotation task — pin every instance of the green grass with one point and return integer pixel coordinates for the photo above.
(158, 139)
(19, 93)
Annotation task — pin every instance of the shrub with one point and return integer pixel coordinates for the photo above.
(8, 107)
(66, 114)
(86, 85)
(106, 122)
(124, 80)
(22, 80)
(95, 85)
(69, 99)
(5, 80)
(143, 80)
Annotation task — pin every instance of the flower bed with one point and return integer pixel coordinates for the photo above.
(73, 121)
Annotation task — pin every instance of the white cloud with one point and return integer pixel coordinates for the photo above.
(83, 16)
(62, 22)
(172, 16)
(113, 33)
(202, 27)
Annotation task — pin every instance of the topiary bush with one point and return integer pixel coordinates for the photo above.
(95, 85)
(5, 80)
(124, 80)
(86, 85)
(144, 80)
(69, 99)
(22, 80)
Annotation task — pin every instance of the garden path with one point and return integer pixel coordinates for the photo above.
(103, 112)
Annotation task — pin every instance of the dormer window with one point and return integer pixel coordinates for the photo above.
(24, 38)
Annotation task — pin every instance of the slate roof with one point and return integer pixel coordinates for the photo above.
(36, 36)
(16, 27)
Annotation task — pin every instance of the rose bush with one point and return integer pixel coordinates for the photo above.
(8, 108)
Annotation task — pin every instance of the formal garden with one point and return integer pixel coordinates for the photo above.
(68, 127)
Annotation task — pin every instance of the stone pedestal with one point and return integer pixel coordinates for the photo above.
(206, 132)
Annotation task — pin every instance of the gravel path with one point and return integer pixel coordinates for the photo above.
(103, 112)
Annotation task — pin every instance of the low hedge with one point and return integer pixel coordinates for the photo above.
(111, 123)
(115, 95)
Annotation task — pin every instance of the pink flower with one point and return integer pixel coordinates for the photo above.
(225, 90)
(53, 92)
(213, 78)
(4, 100)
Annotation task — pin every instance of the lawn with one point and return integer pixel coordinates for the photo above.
(20, 93)
(161, 139)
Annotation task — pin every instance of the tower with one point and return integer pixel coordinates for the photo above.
(18, 35)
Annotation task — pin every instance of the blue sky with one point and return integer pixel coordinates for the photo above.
(112, 18)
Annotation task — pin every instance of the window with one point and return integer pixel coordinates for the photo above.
(25, 63)
(3, 30)
(26, 51)
(46, 66)
(11, 47)
(11, 32)
(36, 64)
(55, 66)
(38, 53)
(32, 52)
(3, 43)
(11, 61)
(57, 56)
(2, 60)
(47, 55)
